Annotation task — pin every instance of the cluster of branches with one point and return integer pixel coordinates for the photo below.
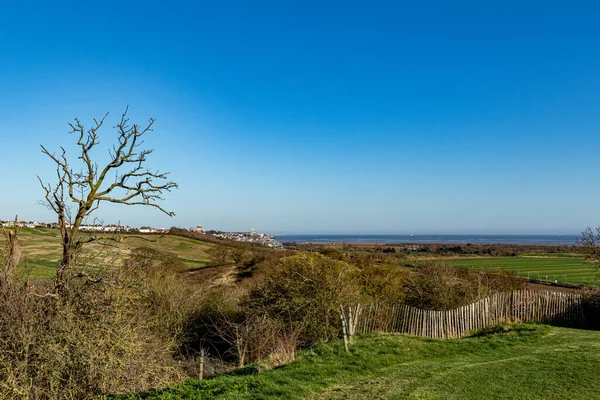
(590, 244)
(124, 179)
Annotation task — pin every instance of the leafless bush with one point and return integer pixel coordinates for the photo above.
(251, 338)
(259, 338)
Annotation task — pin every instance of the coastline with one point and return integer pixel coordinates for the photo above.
(403, 240)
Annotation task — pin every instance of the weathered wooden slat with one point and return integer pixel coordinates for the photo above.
(522, 305)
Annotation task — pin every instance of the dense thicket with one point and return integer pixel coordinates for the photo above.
(436, 286)
(104, 335)
(304, 292)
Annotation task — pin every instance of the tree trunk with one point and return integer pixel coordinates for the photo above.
(70, 248)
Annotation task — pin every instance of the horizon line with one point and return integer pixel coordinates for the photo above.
(428, 234)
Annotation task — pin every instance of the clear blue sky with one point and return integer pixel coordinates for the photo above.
(320, 116)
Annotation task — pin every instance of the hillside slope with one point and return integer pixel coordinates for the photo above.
(515, 362)
(42, 249)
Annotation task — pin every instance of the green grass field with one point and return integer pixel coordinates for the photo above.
(523, 362)
(41, 250)
(562, 269)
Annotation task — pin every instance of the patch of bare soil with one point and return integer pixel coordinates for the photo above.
(214, 275)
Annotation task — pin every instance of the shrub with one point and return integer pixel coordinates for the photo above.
(155, 284)
(382, 284)
(437, 286)
(591, 307)
(305, 292)
(80, 345)
(114, 332)
(332, 252)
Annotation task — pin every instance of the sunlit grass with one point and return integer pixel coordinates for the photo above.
(518, 362)
(561, 269)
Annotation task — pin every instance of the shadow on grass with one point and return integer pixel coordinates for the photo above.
(507, 329)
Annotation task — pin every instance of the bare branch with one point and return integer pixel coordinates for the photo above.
(133, 184)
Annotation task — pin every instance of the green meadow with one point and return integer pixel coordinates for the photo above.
(567, 269)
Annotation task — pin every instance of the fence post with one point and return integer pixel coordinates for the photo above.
(349, 322)
(344, 325)
(201, 372)
(344, 332)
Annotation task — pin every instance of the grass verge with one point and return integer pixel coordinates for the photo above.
(525, 361)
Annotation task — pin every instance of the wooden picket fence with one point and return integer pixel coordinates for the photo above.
(565, 309)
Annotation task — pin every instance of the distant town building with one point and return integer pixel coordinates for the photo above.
(248, 237)
(23, 224)
(149, 229)
(110, 228)
(197, 229)
(105, 228)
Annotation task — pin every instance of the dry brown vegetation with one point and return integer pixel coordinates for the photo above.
(102, 336)
(117, 326)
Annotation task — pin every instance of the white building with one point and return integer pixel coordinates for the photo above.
(197, 229)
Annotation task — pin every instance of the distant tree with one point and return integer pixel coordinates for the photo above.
(79, 190)
(590, 245)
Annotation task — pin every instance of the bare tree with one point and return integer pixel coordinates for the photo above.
(590, 244)
(79, 191)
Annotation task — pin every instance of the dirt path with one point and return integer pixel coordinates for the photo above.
(553, 288)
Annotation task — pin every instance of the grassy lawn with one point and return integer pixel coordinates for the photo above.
(41, 250)
(520, 362)
(562, 269)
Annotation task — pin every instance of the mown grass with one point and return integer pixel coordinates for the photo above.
(561, 269)
(41, 250)
(515, 362)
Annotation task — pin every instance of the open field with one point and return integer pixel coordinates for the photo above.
(515, 362)
(41, 250)
(560, 268)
